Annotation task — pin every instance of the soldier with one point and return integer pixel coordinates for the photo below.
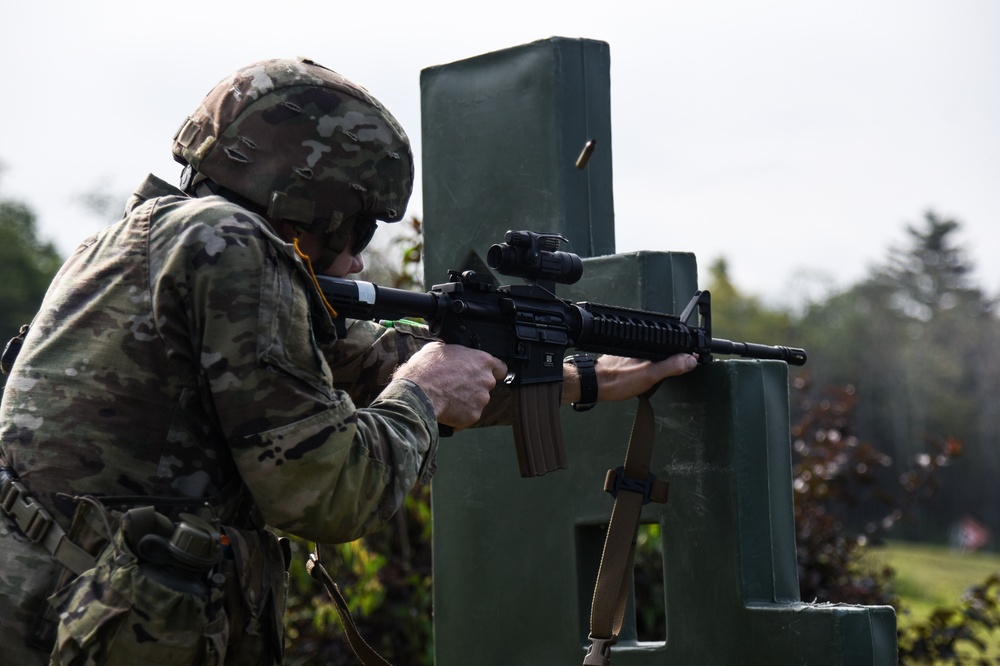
(184, 386)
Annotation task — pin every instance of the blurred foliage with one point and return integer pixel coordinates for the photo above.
(27, 265)
(395, 258)
(959, 634)
(103, 203)
(919, 341)
(649, 586)
(740, 316)
(386, 579)
(833, 471)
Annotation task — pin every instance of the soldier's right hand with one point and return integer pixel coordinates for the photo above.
(456, 379)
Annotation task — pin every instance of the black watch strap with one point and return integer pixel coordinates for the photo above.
(588, 380)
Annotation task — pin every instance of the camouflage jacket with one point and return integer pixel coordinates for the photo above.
(183, 346)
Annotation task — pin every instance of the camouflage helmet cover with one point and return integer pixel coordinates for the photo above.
(301, 141)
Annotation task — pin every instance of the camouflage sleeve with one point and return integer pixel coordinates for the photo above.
(363, 362)
(316, 465)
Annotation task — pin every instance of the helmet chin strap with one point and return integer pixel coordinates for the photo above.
(328, 254)
(305, 258)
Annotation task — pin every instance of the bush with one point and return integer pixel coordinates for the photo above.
(386, 579)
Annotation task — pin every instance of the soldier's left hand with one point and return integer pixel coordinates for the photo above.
(621, 378)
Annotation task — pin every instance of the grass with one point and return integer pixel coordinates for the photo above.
(930, 577)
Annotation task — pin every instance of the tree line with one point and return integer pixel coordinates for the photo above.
(27, 265)
(918, 343)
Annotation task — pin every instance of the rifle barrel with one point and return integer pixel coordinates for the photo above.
(790, 355)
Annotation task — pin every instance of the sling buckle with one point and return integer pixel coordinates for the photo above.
(599, 653)
(651, 488)
(30, 516)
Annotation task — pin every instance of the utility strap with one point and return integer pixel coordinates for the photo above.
(312, 273)
(35, 521)
(614, 576)
(365, 653)
(38, 525)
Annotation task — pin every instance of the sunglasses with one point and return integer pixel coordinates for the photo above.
(362, 234)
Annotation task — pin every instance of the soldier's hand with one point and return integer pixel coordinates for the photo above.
(456, 379)
(621, 378)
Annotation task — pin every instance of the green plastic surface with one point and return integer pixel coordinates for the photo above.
(501, 135)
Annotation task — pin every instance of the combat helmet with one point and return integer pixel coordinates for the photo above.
(304, 145)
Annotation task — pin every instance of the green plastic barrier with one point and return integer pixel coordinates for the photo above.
(515, 559)
(501, 135)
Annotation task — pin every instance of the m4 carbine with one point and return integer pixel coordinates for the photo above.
(530, 329)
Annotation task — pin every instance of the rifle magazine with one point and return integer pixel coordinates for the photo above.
(537, 429)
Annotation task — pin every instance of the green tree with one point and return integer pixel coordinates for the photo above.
(931, 275)
(944, 320)
(737, 315)
(918, 340)
(951, 361)
(27, 265)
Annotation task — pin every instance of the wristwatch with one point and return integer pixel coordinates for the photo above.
(588, 380)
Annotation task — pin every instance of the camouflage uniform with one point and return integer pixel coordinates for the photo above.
(183, 348)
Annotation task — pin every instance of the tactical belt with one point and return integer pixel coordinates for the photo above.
(38, 525)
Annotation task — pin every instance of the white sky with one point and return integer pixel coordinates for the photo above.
(794, 138)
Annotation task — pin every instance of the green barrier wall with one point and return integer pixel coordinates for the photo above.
(501, 134)
(515, 559)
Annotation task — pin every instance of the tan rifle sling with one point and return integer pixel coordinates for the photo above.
(614, 578)
(615, 574)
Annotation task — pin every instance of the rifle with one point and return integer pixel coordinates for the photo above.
(529, 328)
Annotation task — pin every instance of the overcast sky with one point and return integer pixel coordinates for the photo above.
(794, 138)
